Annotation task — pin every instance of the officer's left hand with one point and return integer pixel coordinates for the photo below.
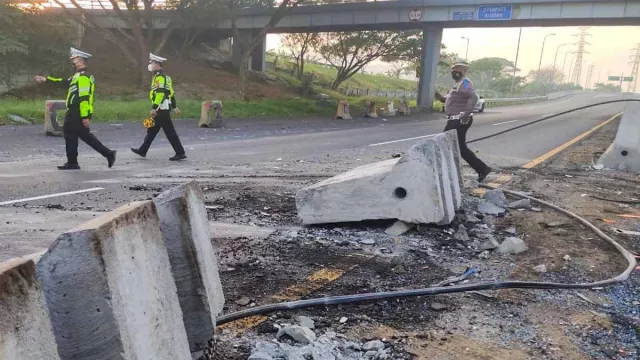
(153, 113)
(177, 111)
(86, 123)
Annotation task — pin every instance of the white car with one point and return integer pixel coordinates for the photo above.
(479, 105)
(478, 108)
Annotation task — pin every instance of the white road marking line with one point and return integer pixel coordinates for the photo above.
(506, 122)
(401, 140)
(50, 196)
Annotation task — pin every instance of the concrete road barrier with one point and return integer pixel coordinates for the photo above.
(211, 114)
(423, 186)
(404, 109)
(624, 152)
(186, 230)
(370, 110)
(342, 112)
(25, 327)
(110, 291)
(51, 126)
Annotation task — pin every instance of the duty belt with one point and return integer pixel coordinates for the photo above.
(456, 117)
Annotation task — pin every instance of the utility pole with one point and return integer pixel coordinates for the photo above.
(555, 59)
(582, 41)
(587, 83)
(564, 63)
(515, 66)
(634, 71)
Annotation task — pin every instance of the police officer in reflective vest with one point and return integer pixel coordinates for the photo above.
(458, 105)
(162, 101)
(80, 93)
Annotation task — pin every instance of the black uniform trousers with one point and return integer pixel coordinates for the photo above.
(468, 155)
(74, 129)
(163, 121)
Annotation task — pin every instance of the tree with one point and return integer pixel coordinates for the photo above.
(350, 52)
(30, 41)
(248, 48)
(398, 68)
(132, 28)
(300, 47)
(409, 50)
(544, 81)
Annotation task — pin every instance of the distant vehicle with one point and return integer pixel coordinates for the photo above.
(480, 105)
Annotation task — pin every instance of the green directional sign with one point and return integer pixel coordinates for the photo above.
(628, 78)
(614, 78)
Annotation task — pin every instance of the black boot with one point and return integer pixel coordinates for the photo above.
(111, 158)
(68, 166)
(178, 157)
(137, 151)
(483, 175)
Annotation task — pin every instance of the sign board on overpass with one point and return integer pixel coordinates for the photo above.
(495, 12)
(620, 78)
(464, 15)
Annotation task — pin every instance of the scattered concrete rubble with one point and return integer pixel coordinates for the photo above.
(520, 204)
(512, 245)
(185, 227)
(399, 227)
(495, 203)
(298, 333)
(423, 186)
(328, 346)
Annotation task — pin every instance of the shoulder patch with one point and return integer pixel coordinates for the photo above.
(467, 84)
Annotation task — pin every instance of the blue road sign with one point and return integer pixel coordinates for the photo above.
(495, 12)
(464, 15)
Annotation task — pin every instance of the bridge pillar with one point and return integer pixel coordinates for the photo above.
(431, 43)
(257, 61)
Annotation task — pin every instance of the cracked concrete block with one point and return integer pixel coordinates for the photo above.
(186, 230)
(110, 291)
(25, 327)
(624, 152)
(423, 186)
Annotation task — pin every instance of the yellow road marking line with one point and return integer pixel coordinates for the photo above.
(313, 282)
(550, 154)
(539, 160)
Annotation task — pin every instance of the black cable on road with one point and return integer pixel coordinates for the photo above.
(436, 290)
(551, 117)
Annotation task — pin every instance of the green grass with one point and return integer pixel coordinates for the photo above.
(114, 110)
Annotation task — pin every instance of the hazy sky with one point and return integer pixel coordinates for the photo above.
(610, 49)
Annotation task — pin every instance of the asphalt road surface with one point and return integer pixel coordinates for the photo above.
(249, 148)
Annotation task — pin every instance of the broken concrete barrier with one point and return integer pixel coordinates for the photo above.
(624, 152)
(423, 186)
(51, 126)
(211, 114)
(110, 291)
(25, 327)
(185, 226)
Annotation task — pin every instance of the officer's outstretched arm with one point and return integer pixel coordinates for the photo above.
(85, 88)
(63, 83)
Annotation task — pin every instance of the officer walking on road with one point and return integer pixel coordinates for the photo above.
(162, 101)
(80, 93)
(458, 105)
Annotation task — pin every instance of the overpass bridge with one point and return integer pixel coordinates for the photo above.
(430, 16)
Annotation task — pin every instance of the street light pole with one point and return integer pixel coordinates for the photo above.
(515, 66)
(466, 57)
(565, 63)
(542, 50)
(555, 59)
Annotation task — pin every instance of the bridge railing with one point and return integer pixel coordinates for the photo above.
(513, 101)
